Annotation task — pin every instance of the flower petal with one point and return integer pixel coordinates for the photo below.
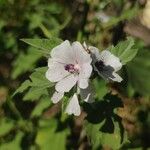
(63, 53)
(110, 60)
(80, 54)
(73, 106)
(83, 83)
(104, 71)
(95, 53)
(116, 78)
(57, 96)
(66, 84)
(56, 71)
(85, 71)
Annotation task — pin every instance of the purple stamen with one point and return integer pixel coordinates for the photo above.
(70, 68)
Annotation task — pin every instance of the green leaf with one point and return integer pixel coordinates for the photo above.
(102, 124)
(35, 93)
(49, 138)
(99, 138)
(15, 144)
(138, 72)
(43, 44)
(44, 103)
(124, 50)
(23, 87)
(38, 85)
(38, 77)
(100, 88)
(25, 62)
(5, 126)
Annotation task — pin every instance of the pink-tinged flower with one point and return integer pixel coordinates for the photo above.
(106, 64)
(73, 107)
(69, 65)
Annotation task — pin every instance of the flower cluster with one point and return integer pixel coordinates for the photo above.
(70, 67)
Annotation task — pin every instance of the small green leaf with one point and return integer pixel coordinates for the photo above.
(124, 50)
(45, 45)
(44, 103)
(99, 138)
(102, 125)
(35, 93)
(25, 62)
(26, 84)
(15, 144)
(138, 72)
(49, 138)
(100, 88)
(38, 85)
(5, 126)
(38, 77)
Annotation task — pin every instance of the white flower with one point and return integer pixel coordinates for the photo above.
(106, 64)
(73, 107)
(68, 65)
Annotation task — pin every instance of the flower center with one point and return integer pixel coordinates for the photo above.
(72, 68)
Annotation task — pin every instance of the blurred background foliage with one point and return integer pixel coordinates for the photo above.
(29, 121)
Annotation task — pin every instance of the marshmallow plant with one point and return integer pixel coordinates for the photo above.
(74, 77)
(71, 67)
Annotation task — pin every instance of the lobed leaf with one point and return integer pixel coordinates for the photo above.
(35, 93)
(43, 45)
(102, 124)
(25, 85)
(15, 144)
(138, 72)
(5, 126)
(100, 88)
(49, 138)
(38, 85)
(101, 139)
(41, 106)
(125, 50)
(38, 77)
(28, 62)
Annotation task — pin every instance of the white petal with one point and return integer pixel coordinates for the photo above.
(86, 70)
(87, 94)
(57, 96)
(63, 53)
(116, 78)
(87, 98)
(80, 54)
(66, 84)
(95, 53)
(83, 83)
(111, 60)
(73, 106)
(56, 71)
